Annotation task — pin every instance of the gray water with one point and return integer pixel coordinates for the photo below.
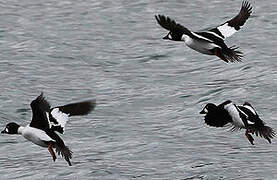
(149, 91)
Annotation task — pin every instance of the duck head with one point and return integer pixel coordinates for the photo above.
(208, 108)
(173, 36)
(11, 128)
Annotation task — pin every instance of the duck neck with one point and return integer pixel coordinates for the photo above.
(20, 130)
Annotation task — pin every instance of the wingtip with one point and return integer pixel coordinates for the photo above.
(41, 95)
(39, 98)
(92, 104)
(247, 6)
(79, 108)
(245, 3)
(160, 18)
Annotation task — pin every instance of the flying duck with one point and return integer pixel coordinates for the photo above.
(238, 117)
(210, 41)
(46, 121)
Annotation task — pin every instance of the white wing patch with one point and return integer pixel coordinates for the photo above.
(234, 113)
(226, 30)
(215, 34)
(49, 123)
(242, 112)
(251, 109)
(201, 37)
(250, 122)
(61, 117)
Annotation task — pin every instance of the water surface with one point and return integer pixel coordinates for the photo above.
(149, 91)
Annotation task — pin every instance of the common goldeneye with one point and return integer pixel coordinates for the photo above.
(210, 41)
(46, 121)
(239, 117)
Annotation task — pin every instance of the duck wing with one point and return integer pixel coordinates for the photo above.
(60, 115)
(231, 26)
(40, 108)
(169, 24)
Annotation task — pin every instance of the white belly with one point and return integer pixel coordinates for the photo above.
(203, 47)
(36, 136)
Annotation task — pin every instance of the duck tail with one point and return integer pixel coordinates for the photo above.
(65, 152)
(232, 54)
(264, 132)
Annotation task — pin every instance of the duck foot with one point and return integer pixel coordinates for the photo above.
(219, 54)
(249, 137)
(50, 149)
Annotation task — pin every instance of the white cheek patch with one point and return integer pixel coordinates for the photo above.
(205, 110)
(7, 130)
(226, 30)
(169, 36)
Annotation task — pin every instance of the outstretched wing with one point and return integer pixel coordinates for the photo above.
(172, 26)
(60, 115)
(169, 24)
(230, 27)
(40, 108)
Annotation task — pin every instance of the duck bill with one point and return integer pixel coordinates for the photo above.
(202, 112)
(166, 37)
(4, 131)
